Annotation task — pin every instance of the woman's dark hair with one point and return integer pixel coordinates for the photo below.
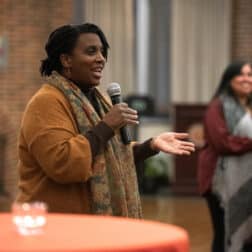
(63, 40)
(229, 73)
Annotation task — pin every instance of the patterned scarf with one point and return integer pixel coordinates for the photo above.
(232, 181)
(113, 185)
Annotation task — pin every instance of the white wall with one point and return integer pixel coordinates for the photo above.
(200, 47)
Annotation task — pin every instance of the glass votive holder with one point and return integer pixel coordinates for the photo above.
(29, 218)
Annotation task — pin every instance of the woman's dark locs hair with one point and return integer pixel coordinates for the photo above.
(232, 70)
(63, 40)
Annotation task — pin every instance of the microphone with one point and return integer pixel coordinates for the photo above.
(114, 91)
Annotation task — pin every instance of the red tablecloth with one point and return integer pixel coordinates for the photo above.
(72, 233)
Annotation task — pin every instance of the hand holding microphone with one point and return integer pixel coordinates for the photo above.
(120, 114)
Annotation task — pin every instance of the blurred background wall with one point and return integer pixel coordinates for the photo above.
(170, 50)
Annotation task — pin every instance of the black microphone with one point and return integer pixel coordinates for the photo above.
(114, 91)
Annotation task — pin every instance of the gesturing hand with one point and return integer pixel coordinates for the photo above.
(172, 142)
(120, 115)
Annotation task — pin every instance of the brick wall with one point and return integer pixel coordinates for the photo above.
(25, 25)
(242, 30)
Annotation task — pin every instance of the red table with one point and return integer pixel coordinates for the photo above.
(72, 233)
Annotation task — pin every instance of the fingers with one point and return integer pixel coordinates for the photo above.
(181, 135)
(124, 108)
(185, 153)
(131, 121)
(121, 115)
(128, 115)
(188, 149)
(187, 146)
(180, 148)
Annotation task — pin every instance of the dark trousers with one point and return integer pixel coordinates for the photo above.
(217, 217)
(247, 247)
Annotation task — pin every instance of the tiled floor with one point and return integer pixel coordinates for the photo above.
(191, 213)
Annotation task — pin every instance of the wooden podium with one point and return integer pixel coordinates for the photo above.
(188, 118)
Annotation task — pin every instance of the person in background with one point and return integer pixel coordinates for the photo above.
(70, 151)
(224, 165)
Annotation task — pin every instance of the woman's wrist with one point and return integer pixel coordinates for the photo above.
(153, 144)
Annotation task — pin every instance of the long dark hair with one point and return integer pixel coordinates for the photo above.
(63, 40)
(232, 70)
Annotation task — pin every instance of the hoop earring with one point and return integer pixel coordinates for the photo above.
(68, 71)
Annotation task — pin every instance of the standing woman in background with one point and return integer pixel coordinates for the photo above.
(225, 162)
(71, 154)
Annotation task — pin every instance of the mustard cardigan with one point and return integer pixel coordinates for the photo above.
(55, 161)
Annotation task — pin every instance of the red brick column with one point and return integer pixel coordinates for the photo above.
(25, 25)
(241, 30)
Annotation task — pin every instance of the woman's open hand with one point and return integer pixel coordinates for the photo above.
(173, 143)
